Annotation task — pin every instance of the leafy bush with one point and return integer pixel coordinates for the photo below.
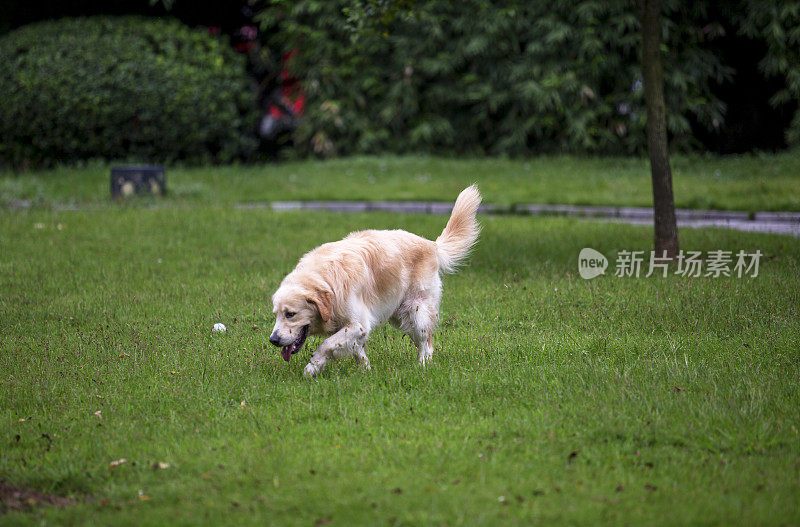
(489, 77)
(128, 87)
(777, 22)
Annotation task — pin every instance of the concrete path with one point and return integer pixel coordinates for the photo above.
(769, 222)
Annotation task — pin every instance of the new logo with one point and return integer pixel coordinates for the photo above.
(591, 263)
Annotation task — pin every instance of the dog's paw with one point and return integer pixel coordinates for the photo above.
(311, 370)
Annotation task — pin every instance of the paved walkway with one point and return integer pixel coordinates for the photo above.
(770, 222)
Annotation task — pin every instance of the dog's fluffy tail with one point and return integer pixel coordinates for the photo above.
(461, 232)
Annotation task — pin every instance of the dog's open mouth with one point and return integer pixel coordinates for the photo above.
(294, 347)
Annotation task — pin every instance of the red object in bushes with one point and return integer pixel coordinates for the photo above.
(292, 95)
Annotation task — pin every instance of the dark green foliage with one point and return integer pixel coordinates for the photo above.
(116, 88)
(488, 77)
(777, 22)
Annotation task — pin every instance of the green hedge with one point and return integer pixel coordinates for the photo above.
(122, 88)
(508, 76)
(494, 77)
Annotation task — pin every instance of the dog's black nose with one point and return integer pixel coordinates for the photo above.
(275, 340)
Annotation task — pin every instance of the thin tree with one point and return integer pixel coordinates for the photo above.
(665, 224)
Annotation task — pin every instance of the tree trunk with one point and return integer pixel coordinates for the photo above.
(666, 228)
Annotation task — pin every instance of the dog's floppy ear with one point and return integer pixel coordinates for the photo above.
(323, 299)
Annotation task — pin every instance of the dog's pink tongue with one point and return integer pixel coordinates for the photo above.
(286, 353)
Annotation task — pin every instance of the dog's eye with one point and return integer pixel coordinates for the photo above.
(289, 314)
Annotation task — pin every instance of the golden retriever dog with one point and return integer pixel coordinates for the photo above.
(345, 289)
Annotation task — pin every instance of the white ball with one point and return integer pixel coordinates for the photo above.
(219, 328)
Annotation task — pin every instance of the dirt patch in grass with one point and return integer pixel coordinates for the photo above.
(13, 498)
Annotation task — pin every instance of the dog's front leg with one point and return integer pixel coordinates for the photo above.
(347, 341)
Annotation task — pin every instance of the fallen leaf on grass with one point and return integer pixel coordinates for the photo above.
(116, 463)
(99, 414)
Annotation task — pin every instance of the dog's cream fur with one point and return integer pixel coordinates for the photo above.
(344, 289)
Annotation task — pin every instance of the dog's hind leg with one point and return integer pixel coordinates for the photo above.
(417, 318)
(425, 348)
(347, 341)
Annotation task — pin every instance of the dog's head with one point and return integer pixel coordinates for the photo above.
(299, 310)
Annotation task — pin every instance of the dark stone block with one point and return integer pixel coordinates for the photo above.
(127, 181)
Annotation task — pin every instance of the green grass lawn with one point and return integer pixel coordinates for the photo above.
(550, 399)
(769, 182)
